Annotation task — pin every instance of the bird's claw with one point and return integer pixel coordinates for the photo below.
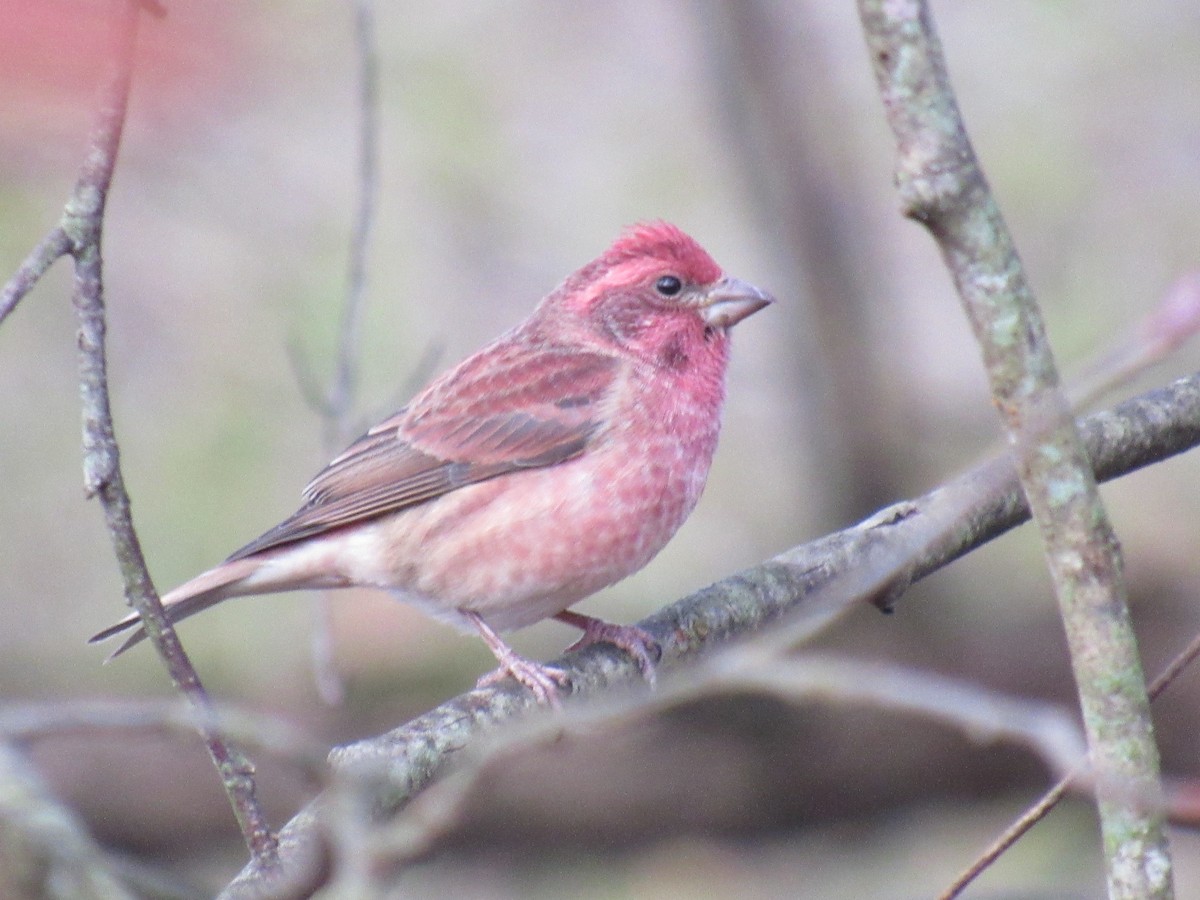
(544, 682)
(637, 642)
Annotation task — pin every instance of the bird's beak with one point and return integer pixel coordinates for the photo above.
(730, 300)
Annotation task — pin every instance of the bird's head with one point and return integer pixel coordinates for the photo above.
(657, 293)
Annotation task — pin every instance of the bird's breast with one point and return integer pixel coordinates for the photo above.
(528, 544)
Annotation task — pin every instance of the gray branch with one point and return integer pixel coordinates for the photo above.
(802, 590)
(79, 234)
(45, 851)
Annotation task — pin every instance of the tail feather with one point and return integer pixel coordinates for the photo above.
(205, 590)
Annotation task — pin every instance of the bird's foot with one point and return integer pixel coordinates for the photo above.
(544, 682)
(637, 642)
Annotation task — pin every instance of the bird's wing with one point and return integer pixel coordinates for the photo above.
(496, 413)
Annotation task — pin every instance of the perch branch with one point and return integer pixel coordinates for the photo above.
(805, 587)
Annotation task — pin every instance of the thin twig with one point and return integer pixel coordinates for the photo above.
(943, 187)
(764, 58)
(1049, 731)
(79, 233)
(1160, 333)
(23, 724)
(344, 387)
(816, 581)
(83, 222)
(1051, 798)
(54, 245)
(338, 403)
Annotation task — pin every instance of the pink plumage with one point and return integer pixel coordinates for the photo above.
(554, 462)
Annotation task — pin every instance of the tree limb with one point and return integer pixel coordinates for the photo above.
(804, 588)
(942, 186)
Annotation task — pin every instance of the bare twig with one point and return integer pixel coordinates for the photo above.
(764, 58)
(1051, 798)
(985, 714)
(54, 245)
(79, 234)
(342, 390)
(83, 223)
(1049, 731)
(338, 402)
(811, 583)
(943, 187)
(25, 723)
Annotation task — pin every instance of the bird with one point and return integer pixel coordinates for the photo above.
(552, 463)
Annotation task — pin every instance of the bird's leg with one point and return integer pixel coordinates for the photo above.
(544, 681)
(635, 641)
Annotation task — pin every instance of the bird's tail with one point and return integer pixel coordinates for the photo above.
(227, 580)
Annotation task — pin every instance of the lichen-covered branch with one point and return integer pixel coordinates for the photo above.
(942, 186)
(802, 588)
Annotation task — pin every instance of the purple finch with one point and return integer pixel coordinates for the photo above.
(554, 462)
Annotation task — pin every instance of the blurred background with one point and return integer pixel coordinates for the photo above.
(517, 139)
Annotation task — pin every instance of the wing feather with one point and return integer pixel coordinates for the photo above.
(500, 411)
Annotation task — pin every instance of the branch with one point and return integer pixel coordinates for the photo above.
(805, 588)
(23, 724)
(341, 393)
(1051, 798)
(79, 233)
(943, 187)
(368, 854)
(984, 714)
(337, 405)
(40, 259)
(45, 851)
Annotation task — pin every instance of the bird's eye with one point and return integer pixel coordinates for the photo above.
(668, 285)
